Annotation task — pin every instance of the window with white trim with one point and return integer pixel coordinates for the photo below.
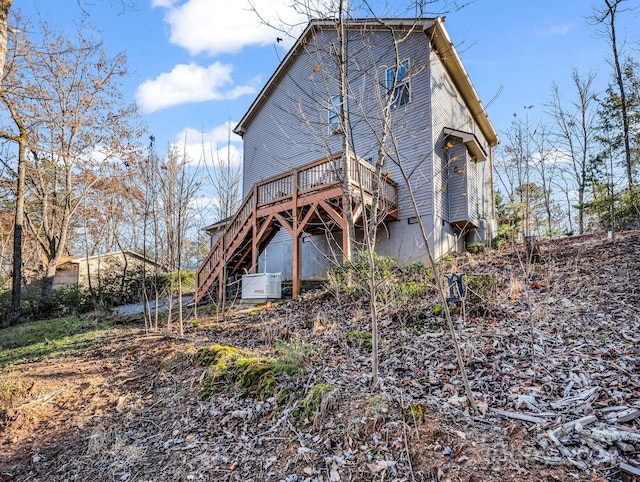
(400, 78)
(334, 114)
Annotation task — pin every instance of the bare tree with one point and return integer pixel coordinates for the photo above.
(65, 90)
(607, 17)
(19, 137)
(576, 131)
(179, 185)
(514, 169)
(365, 99)
(545, 163)
(225, 174)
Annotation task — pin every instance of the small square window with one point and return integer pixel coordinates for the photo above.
(400, 78)
(334, 114)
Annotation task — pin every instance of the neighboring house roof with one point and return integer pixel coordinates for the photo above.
(125, 252)
(432, 27)
(218, 224)
(63, 259)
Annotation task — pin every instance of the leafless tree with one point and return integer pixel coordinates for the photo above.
(179, 183)
(545, 164)
(606, 16)
(575, 132)
(66, 93)
(19, 137)
(514, 169)
(357, 109)
(224, 173)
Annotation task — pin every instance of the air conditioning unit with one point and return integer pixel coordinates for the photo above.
(262, 286)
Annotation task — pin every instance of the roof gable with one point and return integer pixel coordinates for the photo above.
(432, 27)
(113, 254)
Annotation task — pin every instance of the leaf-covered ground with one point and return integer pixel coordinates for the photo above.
(552, 354)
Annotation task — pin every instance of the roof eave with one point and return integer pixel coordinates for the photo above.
(312, 26)
(241, 128)
(459, 75)
(432, 27)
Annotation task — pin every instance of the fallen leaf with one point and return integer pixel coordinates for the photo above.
(381, 465)
(334, 476)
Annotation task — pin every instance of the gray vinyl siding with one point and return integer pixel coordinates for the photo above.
(317, 255)
(447, 111)
(458, 196)
(291, 129)
(463, 190)
(472, 191)
(457, 184)
(282, 135)
(485, 194)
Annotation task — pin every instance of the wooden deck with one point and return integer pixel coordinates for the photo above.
(296, 201)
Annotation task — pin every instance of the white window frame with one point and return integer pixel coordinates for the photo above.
(333, 115)
(401, 95)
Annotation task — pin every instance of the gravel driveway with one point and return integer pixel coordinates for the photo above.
(163, 305)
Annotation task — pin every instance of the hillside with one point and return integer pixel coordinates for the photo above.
(283, 392)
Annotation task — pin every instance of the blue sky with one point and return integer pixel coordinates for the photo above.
(198, 64)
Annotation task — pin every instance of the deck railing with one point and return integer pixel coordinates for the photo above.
(308, 179)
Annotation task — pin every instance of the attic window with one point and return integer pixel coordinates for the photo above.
(400, 78)
(334, 114)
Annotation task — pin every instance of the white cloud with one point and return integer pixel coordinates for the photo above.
(189, 83)
(209, 146)
(553, 156)
(554, 30)
(163, 3)
(226, 26)
(204, 203)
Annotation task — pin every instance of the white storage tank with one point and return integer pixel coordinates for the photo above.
(262, 286)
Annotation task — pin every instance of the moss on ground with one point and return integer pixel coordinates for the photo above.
(228, 366)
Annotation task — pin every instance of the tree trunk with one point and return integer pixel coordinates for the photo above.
(5, 6)
(346, 151)
(47, 282)
(14, 316)
(612, 9)
(56, 246)
(16, 294)
(581, 211)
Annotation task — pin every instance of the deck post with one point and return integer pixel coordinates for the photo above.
(295, 268)
(254, 235)
(222, 277)
(305, 192)
(295, 235)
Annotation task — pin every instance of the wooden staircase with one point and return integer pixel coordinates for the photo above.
(307, 199)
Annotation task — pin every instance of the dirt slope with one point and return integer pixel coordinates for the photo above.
(129, 407)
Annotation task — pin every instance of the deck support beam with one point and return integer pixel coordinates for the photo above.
(292, 200)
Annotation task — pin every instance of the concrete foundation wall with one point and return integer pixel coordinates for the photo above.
(318, 254)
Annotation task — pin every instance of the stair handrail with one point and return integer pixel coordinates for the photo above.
(251, 202)
(232, 228)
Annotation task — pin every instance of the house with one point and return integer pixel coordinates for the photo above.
(96, 269)
(215, 230)
(409, 103)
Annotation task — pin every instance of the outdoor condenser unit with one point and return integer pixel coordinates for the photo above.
(262, 286)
